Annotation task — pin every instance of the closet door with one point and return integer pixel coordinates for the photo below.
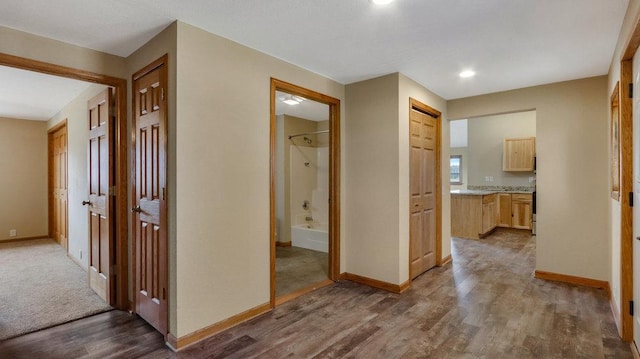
(422, 184)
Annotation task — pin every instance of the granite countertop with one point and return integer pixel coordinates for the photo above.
(477, 192)
(472, 192)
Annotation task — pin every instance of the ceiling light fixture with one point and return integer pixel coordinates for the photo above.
(381, 2)
(467, 73)
(292, 100)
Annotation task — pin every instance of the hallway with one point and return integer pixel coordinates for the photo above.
(487, 304)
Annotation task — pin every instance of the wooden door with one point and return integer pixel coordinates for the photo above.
(101, 204)
(150, 206)
(422, 184)
(58, 185)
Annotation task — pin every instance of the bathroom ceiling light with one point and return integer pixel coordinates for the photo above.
(467, 73)
(381, 2)
(292, 100)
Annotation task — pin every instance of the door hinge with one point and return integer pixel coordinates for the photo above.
(631, 307)
(630, 199)
(164, 194)
(112, 191)
(164, 294)
(162, 93)
(631, 90)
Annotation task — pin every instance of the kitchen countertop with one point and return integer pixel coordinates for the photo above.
(474, 192)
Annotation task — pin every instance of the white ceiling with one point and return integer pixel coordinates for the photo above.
(509, 43)
(458, 133)
(30, 95)
(309, 110)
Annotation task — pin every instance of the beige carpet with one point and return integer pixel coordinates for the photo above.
(41, 287)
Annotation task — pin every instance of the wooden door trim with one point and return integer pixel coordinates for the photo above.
(428, 110)
(162, 61)
(624, 319)
(120, 143)
(334, 176)
(626, 210)
(50, 132)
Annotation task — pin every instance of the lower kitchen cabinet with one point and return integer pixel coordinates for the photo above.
(473, 216)
(521, 211)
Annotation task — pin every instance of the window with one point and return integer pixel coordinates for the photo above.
(455, 169)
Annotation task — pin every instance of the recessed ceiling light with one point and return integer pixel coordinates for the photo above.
(467, 73)
(381, 2)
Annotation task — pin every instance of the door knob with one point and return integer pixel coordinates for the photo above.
(84, 203)
(136, 209)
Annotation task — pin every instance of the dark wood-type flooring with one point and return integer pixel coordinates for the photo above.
(486, 305)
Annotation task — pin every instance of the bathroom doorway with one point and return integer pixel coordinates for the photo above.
(304, 182)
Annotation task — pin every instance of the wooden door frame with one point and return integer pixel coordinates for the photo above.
(50, 132)
(428, 110)
(625, 106)
(334, 183)
(121, 168)
(162, 61)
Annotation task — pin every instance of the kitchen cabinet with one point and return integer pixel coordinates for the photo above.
(521, 211)
(473, 215)
(518, 154)
(504, 210)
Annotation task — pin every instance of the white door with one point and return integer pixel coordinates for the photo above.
(636, 191)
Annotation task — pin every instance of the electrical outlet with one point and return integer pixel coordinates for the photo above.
(490, 178)
(13, 233)
(531, 179)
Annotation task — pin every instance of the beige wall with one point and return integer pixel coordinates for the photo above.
(486, 137)
(23, 178)
(464, 152)
(371, 138)
(222, 167)
(377, 156)
(78, 187)
(572, 176)
(630, 19)
(18, 43)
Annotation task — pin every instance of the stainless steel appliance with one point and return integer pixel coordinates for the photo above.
(534, 201)
(533, 211)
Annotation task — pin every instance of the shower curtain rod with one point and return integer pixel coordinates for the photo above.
(308, 133)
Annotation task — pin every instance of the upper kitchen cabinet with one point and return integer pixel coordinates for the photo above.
(518, 154)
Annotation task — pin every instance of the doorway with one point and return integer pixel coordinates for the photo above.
(305, 179)
(58, 199)
(118, 171)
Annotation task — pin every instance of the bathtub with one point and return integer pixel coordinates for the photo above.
(313, 236)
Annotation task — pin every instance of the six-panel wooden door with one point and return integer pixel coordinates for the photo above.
(149, 210)
(422, 187)
(58, 185)
(101, 119)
